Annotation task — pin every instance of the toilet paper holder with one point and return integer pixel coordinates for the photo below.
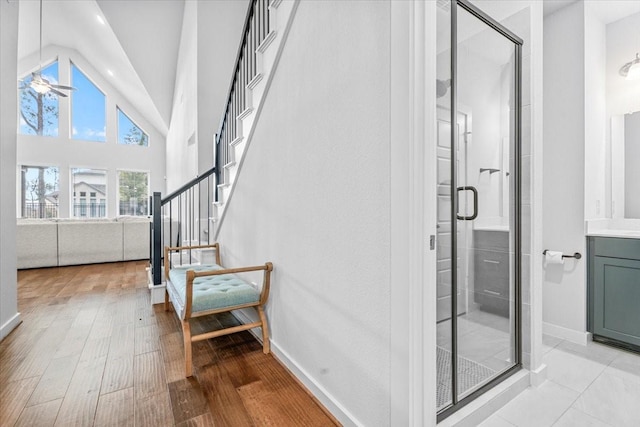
(576, 255)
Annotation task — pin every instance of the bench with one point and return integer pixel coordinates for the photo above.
(202, 290)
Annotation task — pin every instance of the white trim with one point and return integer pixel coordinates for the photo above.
(538, 376)
(9, 326)
(319, 392)
(238, 139)
(266, 42)
(561, 332)
(254, 81)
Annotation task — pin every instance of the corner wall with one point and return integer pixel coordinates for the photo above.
(9, 316)
(313, 198)
(564, 286)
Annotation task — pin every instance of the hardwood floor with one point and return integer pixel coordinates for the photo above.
(93, 351)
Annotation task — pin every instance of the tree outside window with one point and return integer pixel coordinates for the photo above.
(40, 192)
(133, 193)
(39, 111)
(129, 133)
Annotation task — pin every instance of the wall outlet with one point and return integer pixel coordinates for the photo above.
(597, 207)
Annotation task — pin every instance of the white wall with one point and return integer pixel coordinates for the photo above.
(65, 152)
(564, 290)
(182, 150)
(595, 104)
(216, 62)
(211, 34)
(9, 316)
(313, 198)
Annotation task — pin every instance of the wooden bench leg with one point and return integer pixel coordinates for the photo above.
(186, 336)
(266, 347)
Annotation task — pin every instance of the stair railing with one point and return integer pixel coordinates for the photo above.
(256, 29)
(185, 216)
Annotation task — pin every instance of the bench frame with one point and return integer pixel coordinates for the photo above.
(188, 338)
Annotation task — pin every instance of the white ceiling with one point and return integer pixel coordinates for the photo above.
(149, 32)
(138, 43)
(608, 11)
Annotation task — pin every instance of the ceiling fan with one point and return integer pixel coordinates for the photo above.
(40, 84)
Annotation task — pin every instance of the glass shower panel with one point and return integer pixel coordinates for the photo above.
(443, 165)
(485, 226)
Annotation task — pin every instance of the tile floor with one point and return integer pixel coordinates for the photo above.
(594, 385)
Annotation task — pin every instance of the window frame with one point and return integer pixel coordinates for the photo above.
(71, 103)
(120, 110)
(19, 184)
(81, 199)
(148, 173)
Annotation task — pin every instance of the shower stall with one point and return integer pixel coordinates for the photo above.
(478, 203)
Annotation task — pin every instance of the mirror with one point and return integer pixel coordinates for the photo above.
(625, 165)
(621, 158)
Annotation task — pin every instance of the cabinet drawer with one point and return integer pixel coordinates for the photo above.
(491, 272)
(617, 248)
(491, 239)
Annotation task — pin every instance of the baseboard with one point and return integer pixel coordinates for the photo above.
(317, 391)
(9, 326)
(157, 294)
(539, 376)
(561, 332)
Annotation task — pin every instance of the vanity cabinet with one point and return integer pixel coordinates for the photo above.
(491, 271)
(614, 290)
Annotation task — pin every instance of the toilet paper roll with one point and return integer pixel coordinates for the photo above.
(553, 257)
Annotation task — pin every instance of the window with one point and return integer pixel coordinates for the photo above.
(39, 111)
(39, 194)
(133, 193)
(87, 108)
(129, 133)
(90, 181)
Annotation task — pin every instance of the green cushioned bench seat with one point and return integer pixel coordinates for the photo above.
(210, 292)
(196, 290)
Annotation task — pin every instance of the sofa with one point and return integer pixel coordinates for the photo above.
(59, 242)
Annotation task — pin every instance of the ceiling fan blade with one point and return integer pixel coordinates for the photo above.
(57, 92)
(61, 87)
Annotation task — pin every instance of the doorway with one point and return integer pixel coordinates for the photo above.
(478, 204)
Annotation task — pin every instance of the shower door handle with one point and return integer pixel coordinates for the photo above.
(475, 203)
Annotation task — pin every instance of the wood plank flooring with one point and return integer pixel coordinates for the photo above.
(93, 351)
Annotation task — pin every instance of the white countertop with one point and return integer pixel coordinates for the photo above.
(625, 234)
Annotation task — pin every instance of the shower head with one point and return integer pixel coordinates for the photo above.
(441, 87)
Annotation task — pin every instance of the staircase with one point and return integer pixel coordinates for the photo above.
(193, 214)
(265, 31)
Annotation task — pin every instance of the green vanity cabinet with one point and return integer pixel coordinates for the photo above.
(614, 290)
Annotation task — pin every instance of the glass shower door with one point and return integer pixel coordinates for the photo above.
(478, 203)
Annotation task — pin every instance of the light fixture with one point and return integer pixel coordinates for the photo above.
(110, 73)
(38, 83)
(100, 20)
(631, 70)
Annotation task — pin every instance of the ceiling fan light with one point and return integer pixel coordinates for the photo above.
(634, 71)
(39, 86)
